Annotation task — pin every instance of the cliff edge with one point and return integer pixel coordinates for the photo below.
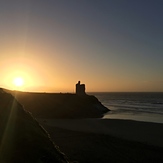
(61, 105)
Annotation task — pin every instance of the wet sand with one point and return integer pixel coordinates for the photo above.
(107, 140)
(144, 132)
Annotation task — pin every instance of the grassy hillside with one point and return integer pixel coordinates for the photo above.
(58, 105)
(22, 139)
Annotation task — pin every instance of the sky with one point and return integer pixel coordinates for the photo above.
(109, 45)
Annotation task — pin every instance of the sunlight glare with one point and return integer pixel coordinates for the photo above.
(18, 81)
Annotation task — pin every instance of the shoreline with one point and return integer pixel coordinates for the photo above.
(138, 116)
(92, 146)
(144, 132)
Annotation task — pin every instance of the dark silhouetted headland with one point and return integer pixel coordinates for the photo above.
(61, 105)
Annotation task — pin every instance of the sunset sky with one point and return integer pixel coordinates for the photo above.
(110, 45)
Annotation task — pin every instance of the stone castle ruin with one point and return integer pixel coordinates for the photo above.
(80, 89)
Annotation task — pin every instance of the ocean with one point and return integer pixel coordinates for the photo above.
(133, 106)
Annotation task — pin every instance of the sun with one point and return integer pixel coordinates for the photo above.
(18, 81)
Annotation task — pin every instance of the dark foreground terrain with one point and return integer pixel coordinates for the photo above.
(98, 148)
(22, 139)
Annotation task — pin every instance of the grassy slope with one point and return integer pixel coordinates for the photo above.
(58, 105)
(22, 139)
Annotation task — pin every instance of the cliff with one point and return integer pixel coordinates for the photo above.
(22, 139)
(61, 105)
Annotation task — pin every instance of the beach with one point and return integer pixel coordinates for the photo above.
(84, 132)
(107, 140)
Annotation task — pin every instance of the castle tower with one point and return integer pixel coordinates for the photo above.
(80, 89)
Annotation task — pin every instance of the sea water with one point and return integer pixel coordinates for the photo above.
(134, 106)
